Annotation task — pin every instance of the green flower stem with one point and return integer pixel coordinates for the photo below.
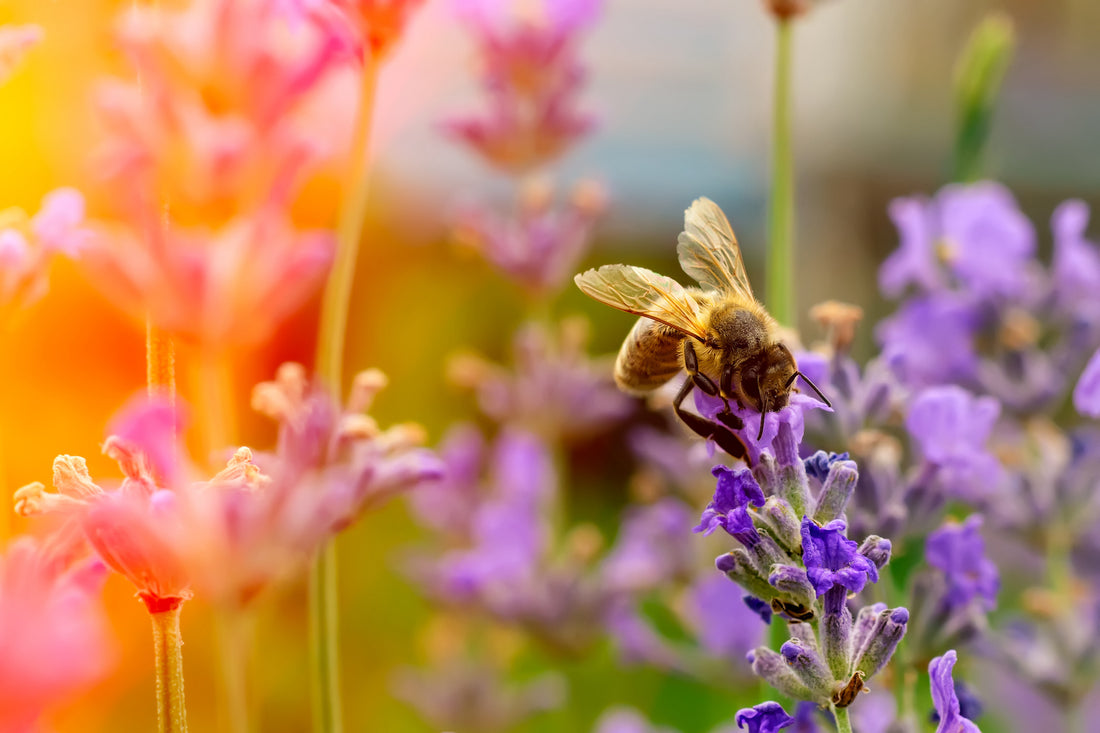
(780, 258)
(843, 724)
(331, 340)
(324, 646)
(233, 630)
(168, 657)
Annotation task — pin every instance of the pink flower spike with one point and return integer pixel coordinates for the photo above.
(52, 634)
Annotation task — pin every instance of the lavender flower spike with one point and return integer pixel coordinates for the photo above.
(767, 717)
(728, 509)
(944, 697)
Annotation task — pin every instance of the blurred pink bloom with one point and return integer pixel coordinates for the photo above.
(212, 118)
(15, 41)
(554, 389)
(52, 633)
(230, 285)
(28, 244)
(126, 527)
(207, 150)
(539, 246)
(532, 76)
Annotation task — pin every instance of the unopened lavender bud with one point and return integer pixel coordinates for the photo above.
(767, 553)
(810, 668)
(804, 633)
(836, 631)
(883, 641)
(877, 550)
(793, 584)
(766, 473)
(864, 625)
(838, 488)
(739, 568)
(784, 524)
(785, 446)
(772, 668)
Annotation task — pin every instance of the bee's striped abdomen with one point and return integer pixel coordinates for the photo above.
(649, 357)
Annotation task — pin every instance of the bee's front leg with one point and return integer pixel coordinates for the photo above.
(691, 364)
(717, 432)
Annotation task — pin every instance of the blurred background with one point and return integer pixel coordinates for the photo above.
(682, 93)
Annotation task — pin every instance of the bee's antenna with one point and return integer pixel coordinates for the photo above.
(814, 386)
(763, 408)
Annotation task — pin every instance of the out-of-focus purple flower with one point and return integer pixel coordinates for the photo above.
(537, 246)
(952, 427)
(793, 416)
(555, 390)
(1076, 266)
(958, 551)
(930, 340)
(767, 717)
(1086, 395)
(723, 623)
(976, 231)
(532, 76)
(53, 636)
(944, 697)
(832, 559)
(735, 492)
(447, 505)
(650, 550)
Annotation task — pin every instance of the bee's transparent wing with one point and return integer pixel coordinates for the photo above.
(708, 250)
(645, 293)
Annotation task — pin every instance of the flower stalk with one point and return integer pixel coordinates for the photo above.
(331, 343)
(168, 657)
(843, 723)
(780, 257)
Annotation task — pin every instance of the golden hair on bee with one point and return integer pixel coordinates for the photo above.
(718, 332)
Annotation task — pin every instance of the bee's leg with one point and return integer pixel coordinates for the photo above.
(691, 363)
(721, 435)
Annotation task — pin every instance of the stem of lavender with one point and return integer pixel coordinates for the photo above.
(781, 205)
(330, 357)
(843, 724)
(168, 657)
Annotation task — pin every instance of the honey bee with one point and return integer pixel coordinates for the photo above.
(718, 332)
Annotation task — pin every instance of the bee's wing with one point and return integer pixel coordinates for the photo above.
(708, 250)
(645, 293)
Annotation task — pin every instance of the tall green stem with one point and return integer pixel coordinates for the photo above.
(843, 724)
(323, 635)
(168, 657)
(780, 258)
(331, 340)
(353, 211)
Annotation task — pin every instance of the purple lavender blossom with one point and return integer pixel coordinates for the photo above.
(976, 230)
(1076, 266)
(728, 509)
(951, 426)
(958, 551)
(832, 559)
(930, 340)
(944, 697)
(792, 415)
(1086, 395)
(767, 717)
